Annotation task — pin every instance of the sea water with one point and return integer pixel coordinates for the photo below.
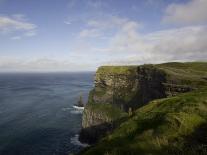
(37, 115)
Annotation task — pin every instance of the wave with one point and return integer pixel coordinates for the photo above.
(75, 141)
(78, 108)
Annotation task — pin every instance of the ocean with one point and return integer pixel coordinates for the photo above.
(36, 113)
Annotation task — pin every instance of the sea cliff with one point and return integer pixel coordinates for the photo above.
(120, 90)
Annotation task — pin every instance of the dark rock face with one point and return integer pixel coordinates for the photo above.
(99, 119)
(150, 85)
(174, 89)
(124, 88)
(92, 134)
(132, 89)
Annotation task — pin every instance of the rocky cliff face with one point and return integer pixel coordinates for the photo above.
(98, 119)
(118, 89)
(115, 85)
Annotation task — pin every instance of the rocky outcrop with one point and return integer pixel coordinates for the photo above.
(98, 119)
(150, 86)
(115, 85)
(120, 88)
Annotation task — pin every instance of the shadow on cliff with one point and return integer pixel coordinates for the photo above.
(93, 134)
(193, 144)
(150, 87)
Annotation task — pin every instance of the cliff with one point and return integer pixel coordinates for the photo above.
(126, 87)
(119, 89)
(171, 126)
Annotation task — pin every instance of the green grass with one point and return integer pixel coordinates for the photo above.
(116, 69)
(190, 73)
(196, 66)
(162, 127)
(174, 125)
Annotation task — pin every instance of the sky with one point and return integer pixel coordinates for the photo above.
(81, 35)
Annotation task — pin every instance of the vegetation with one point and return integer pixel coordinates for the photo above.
(165, 126)
(117, 69)
(174, 125)
(190, 73)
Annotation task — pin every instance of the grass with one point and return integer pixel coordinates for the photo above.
(174, 125)
(117, 70)
(196, 66)
(191, 73)
(162, 127)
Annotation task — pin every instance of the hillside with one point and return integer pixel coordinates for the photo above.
(175, 125)
(148, 109)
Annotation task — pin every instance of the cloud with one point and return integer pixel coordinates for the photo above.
(101, 27)
(127, 45)
(96, 3)
(107, 22)
(30, 33)
(93, 33)
(67, 22)
(16, 38)
(179, 44)
(16, 23)
(192, 12)
(91, 4)
(41, 64)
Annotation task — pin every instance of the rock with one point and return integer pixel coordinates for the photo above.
(120, 88)
(98, 119)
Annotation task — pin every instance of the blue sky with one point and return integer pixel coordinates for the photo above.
(75, 35)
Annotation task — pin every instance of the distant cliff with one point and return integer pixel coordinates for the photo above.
(120, 89)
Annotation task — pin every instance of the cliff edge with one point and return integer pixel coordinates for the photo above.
(120, 90)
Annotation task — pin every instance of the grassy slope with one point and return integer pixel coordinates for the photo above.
(161, 127)
(164, 126)
(116, 69)
(191, 73)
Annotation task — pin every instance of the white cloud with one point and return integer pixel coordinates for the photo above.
(89, 33)
(16, 38)
(128, 46)
(67, 22)
(17, 23)
(101, 27)
(192, 12)
(107, 23)
(41, 64)
(179, 44)
(30, 33)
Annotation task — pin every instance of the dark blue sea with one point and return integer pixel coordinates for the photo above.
(36, 113)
